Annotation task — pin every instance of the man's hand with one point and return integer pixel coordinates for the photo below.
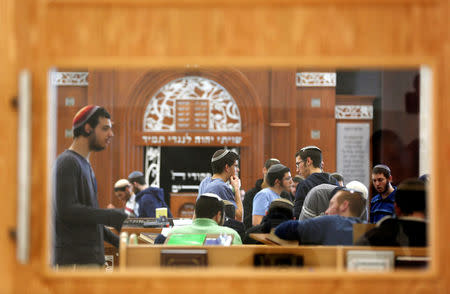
(235, 182)
(110, 206)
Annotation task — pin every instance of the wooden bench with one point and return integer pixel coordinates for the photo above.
(330, 257)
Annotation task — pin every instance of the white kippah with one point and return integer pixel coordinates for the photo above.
(211, 195)
(121, 184)
(358, 187)
(220, 156)
(310, 148)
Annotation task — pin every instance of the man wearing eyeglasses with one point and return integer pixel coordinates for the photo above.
(308, 162)
(334, 228)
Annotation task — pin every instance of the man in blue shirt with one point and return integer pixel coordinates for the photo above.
(334, 228)
(225, 167)
(279, 179)
(382, 204)
(409, 227)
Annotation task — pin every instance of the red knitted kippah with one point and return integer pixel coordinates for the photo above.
(83, 115)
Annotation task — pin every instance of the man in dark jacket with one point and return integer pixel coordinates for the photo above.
(148, 198)
(280, 210)
(230, 221)
(308, 162)
(78, 222)
(250, 194)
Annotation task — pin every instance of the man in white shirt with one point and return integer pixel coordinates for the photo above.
(123, 191)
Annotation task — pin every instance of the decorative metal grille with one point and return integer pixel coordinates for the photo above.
(354, 112)
(152, 165)
(224, 113)
(315, 79)
(70, 79)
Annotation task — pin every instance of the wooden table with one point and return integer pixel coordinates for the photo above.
(272, 239)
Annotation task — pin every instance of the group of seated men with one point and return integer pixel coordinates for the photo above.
(323, 211)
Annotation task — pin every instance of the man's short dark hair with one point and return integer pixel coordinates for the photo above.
(356, 201)
(92, 121)
(221, 158)
(298, 179)
(338, 177)
(382, 169)
(411, 196)
(136, 176)
(207, 206)
(282, 207)
(280, 210)
(269, 162)
(276, 171)
(312, 152)
(230, 209)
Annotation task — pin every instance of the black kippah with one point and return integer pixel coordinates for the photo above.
(276, 168)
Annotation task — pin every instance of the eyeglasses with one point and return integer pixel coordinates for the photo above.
(297, 164)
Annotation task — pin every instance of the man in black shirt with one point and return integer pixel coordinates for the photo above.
(78, 222)
(308, 162)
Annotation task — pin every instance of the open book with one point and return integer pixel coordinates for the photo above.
(148, 237)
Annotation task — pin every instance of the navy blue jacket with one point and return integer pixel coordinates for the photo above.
(322, 230)
(150, 199)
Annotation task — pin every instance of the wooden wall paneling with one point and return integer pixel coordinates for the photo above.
(322, 119)
(101, 91)
(124, 82)
(281, 119)
(260, 81)
(67, 112)
(129, 85)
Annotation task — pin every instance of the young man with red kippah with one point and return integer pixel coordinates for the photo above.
(78, 222)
